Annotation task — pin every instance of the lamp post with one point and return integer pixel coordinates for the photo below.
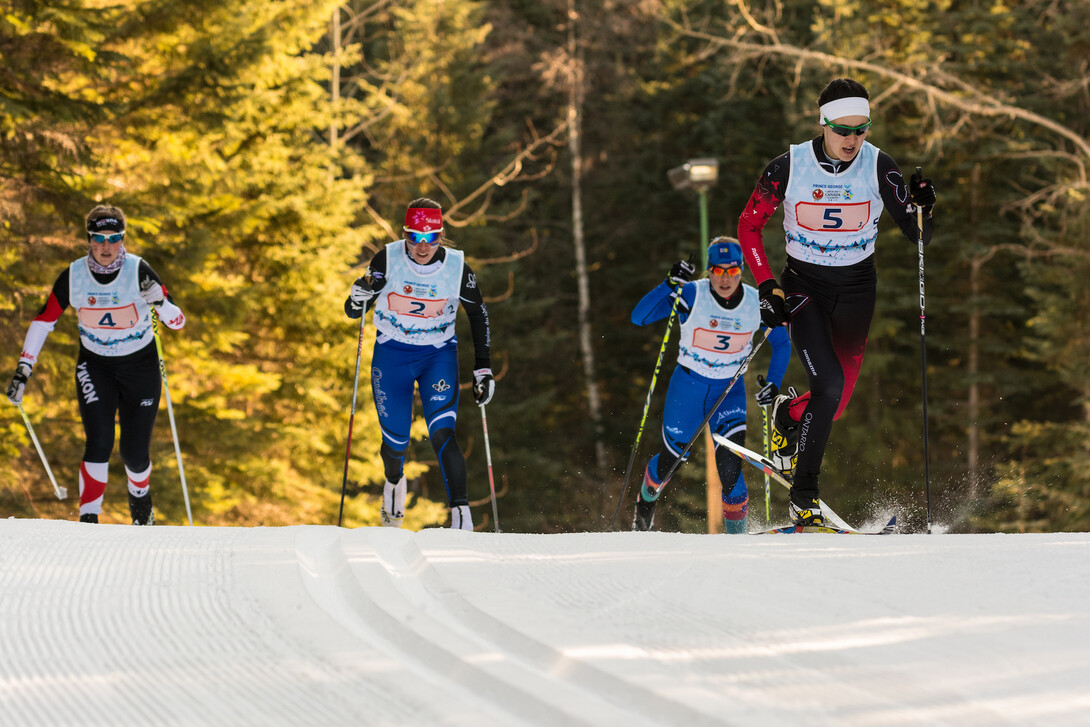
(701, 175)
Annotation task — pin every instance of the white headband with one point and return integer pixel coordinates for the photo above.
(851, 106)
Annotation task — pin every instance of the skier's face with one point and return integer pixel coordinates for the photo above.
(840, 147)
(105, 252)
(725, 279)
(421, 252)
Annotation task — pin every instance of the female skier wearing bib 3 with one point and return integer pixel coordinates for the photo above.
(719, 317)
(833, 189)
(415, 286)
(117, 371)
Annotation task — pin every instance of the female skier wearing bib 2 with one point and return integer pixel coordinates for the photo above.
(117, 371)
(719, 317)
(415, 286)
(833, 190)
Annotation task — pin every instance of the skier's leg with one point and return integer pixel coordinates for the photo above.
(850, 321)
(438, 381)
(392, 385)
(687, 401)
(140, 387)
(392, 392)
(97, 396)
(729, 421)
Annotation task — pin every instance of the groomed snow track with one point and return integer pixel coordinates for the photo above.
(117, 625)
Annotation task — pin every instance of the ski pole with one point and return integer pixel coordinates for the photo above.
(923, 362)
(646, 406)
(170, 411)
(60, 492)
(741, 369)
(352, 416)
(768, 494)
(488, 457)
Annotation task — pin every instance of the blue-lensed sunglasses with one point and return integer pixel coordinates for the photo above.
(112, 238)
(430, 238)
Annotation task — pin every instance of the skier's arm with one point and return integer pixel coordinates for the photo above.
(359, 300)
(781, 355)
(479, 327)
(657, 303)
(763, 203)
(44, 322)
(156, 294)
(895, 197)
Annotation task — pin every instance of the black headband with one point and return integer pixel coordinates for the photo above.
(108, 224)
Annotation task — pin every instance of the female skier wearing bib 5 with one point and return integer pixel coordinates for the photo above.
(117, 371)
(416, 286)
(719, 317)
(833, 189)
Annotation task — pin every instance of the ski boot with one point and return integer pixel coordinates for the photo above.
(89, 517)
(393, 503)
(735, 527)
(141, 510)
(460, 518)
(644, 519)
(785, 433)
(805, 509)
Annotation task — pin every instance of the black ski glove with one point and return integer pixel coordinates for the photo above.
(18, 382)
(768, 392)
(922, 191)
(773, 304)
(681, 272)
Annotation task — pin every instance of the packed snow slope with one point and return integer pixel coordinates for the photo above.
(117, 625)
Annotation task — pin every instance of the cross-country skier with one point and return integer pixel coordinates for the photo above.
(415, 286)
(719, 316)
(117, 369)
(833, 189)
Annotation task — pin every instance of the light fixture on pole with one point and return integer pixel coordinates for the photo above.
(701, 175)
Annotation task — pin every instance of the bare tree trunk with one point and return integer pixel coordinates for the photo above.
(974, 346)
(575, 106)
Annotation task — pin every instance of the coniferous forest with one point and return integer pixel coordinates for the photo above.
(264, 150)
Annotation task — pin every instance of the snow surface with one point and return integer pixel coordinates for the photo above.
(117, 625)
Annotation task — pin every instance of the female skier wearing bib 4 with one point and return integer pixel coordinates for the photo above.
(833, 189)
(117, 370)
(719, 317)
(415, 286)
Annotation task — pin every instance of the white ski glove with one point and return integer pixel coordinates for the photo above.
(360, 294)
(153, 294)
(484, 386)
(171, 315)
(18, 382)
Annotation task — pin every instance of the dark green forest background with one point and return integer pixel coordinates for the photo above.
(264, 149)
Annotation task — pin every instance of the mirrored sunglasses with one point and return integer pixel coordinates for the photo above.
(841, 130)
(730, 270)
(429, 238)
(112, 238)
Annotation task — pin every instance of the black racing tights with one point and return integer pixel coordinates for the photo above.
(831, 311)
(126, 388)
